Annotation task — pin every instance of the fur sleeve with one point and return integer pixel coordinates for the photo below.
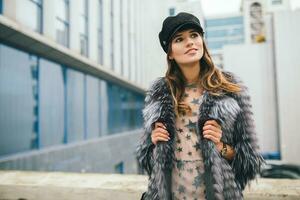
(247, 161)
(151, 114)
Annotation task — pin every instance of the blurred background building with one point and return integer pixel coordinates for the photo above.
(223, 30)
(268, 64)
(73, 75)
(71, 85)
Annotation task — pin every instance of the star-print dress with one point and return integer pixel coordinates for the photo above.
(187, 173)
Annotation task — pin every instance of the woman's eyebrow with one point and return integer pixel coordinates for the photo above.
(177, 35)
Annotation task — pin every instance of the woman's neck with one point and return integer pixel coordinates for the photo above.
(191, 72)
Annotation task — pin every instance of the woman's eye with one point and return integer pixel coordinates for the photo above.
(194, 35)
(178, 40)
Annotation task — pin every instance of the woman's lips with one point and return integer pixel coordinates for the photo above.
(193, 50)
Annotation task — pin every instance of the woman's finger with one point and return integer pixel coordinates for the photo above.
(211, 127)
(213, 133)
(161, 139)
(212, 138)
(212, 122)
(159, 134)
(159, 124)
(161, 130)
(157, 139)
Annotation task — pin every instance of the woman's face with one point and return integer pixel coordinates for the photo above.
(186, 47)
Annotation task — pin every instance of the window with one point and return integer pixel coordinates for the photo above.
(256, 22)
(225, 21)
(75, 105)
(121, 37)
(83, 28)
(92, 106)
(100, 33)
(129, 39)
(256, 11)
(19, 101)
(124, 109)
(112, 34)
(62, 22)
(1, 6)
(114, 108)
(276, 2)
(34, 20)
(119, 168)
(225, 32)
(172, 11)
(51, 104)
(215, 45)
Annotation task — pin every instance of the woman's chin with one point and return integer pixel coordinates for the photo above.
(190, 62)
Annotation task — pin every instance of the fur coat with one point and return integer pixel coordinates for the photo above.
(223, 179)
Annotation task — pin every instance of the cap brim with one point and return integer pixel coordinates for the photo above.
(185, 26)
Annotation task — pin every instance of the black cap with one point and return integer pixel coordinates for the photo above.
(173, 24)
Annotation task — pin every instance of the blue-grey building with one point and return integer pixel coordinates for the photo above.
(70, 99)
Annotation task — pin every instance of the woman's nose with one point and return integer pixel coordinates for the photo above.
(189, 42)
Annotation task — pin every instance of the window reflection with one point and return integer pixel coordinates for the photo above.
(34, 19)
(83, 27)
(62, 22)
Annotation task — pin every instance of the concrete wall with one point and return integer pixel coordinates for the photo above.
(100, 155)
(47, 186)
(287, 42)
(271, 71)
(253, 64)
(152, 56)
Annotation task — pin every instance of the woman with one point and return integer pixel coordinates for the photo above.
(199, 140)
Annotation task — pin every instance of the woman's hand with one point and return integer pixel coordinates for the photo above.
(159, 133)
(212, 131)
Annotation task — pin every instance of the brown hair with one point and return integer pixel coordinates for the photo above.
(210, 78)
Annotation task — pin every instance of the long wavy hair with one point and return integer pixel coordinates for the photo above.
(210, 77)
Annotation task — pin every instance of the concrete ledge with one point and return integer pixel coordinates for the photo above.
(273, 189)
(28, 185)
(69, 186)
(80, 156)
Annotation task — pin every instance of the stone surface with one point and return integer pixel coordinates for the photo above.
(27, 185)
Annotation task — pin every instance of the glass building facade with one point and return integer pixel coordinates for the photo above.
(44, 104)
(83, 28)
(1, 3)
(34, 19)
(62, 23)
(100, 31)
(223, 31)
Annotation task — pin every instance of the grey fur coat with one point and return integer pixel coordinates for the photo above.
(223, 179)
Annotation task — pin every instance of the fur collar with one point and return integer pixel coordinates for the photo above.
(220, 176)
